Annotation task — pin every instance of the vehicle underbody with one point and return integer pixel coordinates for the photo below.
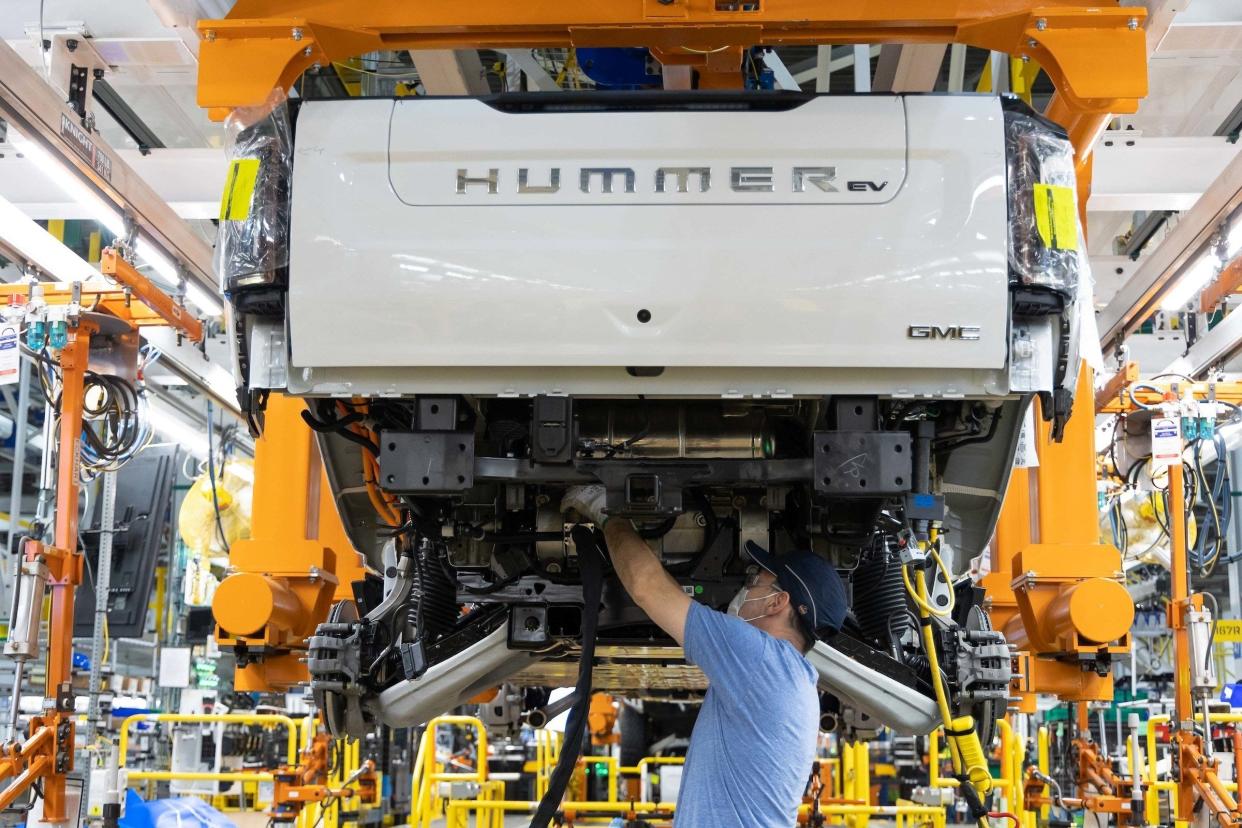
(483, 547)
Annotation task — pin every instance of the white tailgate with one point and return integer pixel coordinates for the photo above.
(392, 266)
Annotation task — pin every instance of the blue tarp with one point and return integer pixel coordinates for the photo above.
(183, 812)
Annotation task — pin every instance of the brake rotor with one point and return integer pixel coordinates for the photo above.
(340, 710)
(986, 712)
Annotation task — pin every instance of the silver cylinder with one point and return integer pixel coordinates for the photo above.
(23, 641)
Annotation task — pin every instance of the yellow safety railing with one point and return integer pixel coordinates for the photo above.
(547, 754)
(614, 771)
(1043, 761)
(1151, 796)
(905, 815)
(457, 812)
(266, 719)
(851, 781)
(428, 773)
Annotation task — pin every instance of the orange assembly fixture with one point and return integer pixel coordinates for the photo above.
(1054, 589)
(46, 755)
(296, 563)
(602, 720)
(296, 787)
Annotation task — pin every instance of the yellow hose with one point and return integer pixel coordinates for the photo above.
(965, 748)
(919, 597)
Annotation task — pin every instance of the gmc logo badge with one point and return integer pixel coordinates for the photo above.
(970, 332)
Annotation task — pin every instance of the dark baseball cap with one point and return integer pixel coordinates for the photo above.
(814, 586)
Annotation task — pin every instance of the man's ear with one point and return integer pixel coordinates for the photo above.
(778, 602)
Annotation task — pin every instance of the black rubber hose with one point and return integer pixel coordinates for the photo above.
(540, 716)
(710, 530)
(337, 428)
(590, 559)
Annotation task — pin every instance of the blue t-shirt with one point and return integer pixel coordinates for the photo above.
(753, 743)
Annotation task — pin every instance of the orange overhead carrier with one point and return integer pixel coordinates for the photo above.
(1094, 52)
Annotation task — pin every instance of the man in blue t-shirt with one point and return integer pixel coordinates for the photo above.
(754, 739)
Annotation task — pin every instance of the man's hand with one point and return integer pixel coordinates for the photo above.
(640, 571)
(587, 501)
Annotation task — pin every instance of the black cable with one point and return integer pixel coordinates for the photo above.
(326, 424)
(711, 530)
(969, 441)
(590, 559)
(211, 475)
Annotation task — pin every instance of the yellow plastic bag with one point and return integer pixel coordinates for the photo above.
(197, 519)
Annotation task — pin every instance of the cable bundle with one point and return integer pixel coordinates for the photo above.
(115, 426)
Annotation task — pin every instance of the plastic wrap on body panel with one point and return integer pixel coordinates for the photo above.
(252, 245)
(1043, 203)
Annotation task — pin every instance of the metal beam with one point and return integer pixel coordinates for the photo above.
(1218, 13)
(126, 118)
(1139, 297)
(537, 77)
(39, 113)
(957, 67)
(845, 61)
(188, 180)
(784, 78)
(1213, 348)
(1135, 173)
(909, 67)
(823, 68)
(450, 71)
(862, 68)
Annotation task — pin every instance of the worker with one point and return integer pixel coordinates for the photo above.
(754, 739)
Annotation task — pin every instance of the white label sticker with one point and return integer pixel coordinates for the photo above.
(10, 353)
(1166, 441)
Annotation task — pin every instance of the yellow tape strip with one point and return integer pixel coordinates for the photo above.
(1056, 216)
(239, 189)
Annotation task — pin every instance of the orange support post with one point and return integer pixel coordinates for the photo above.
(297, 561)
(65, 560)
(1073, 612)
(47, 753)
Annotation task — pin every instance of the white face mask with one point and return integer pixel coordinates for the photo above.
(740, 600)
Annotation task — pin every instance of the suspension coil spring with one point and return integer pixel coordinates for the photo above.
(432, 609)
(885, 614)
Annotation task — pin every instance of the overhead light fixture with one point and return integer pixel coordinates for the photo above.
(1234, 242)
(74, 187)
(107, 215)
(162, 265)
(1193, 279)
(203, 300)
(41, 247)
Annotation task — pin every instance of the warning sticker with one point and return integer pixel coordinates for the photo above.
(10, 353)
(1166, 441)
(1056, 216)
(239, 189)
